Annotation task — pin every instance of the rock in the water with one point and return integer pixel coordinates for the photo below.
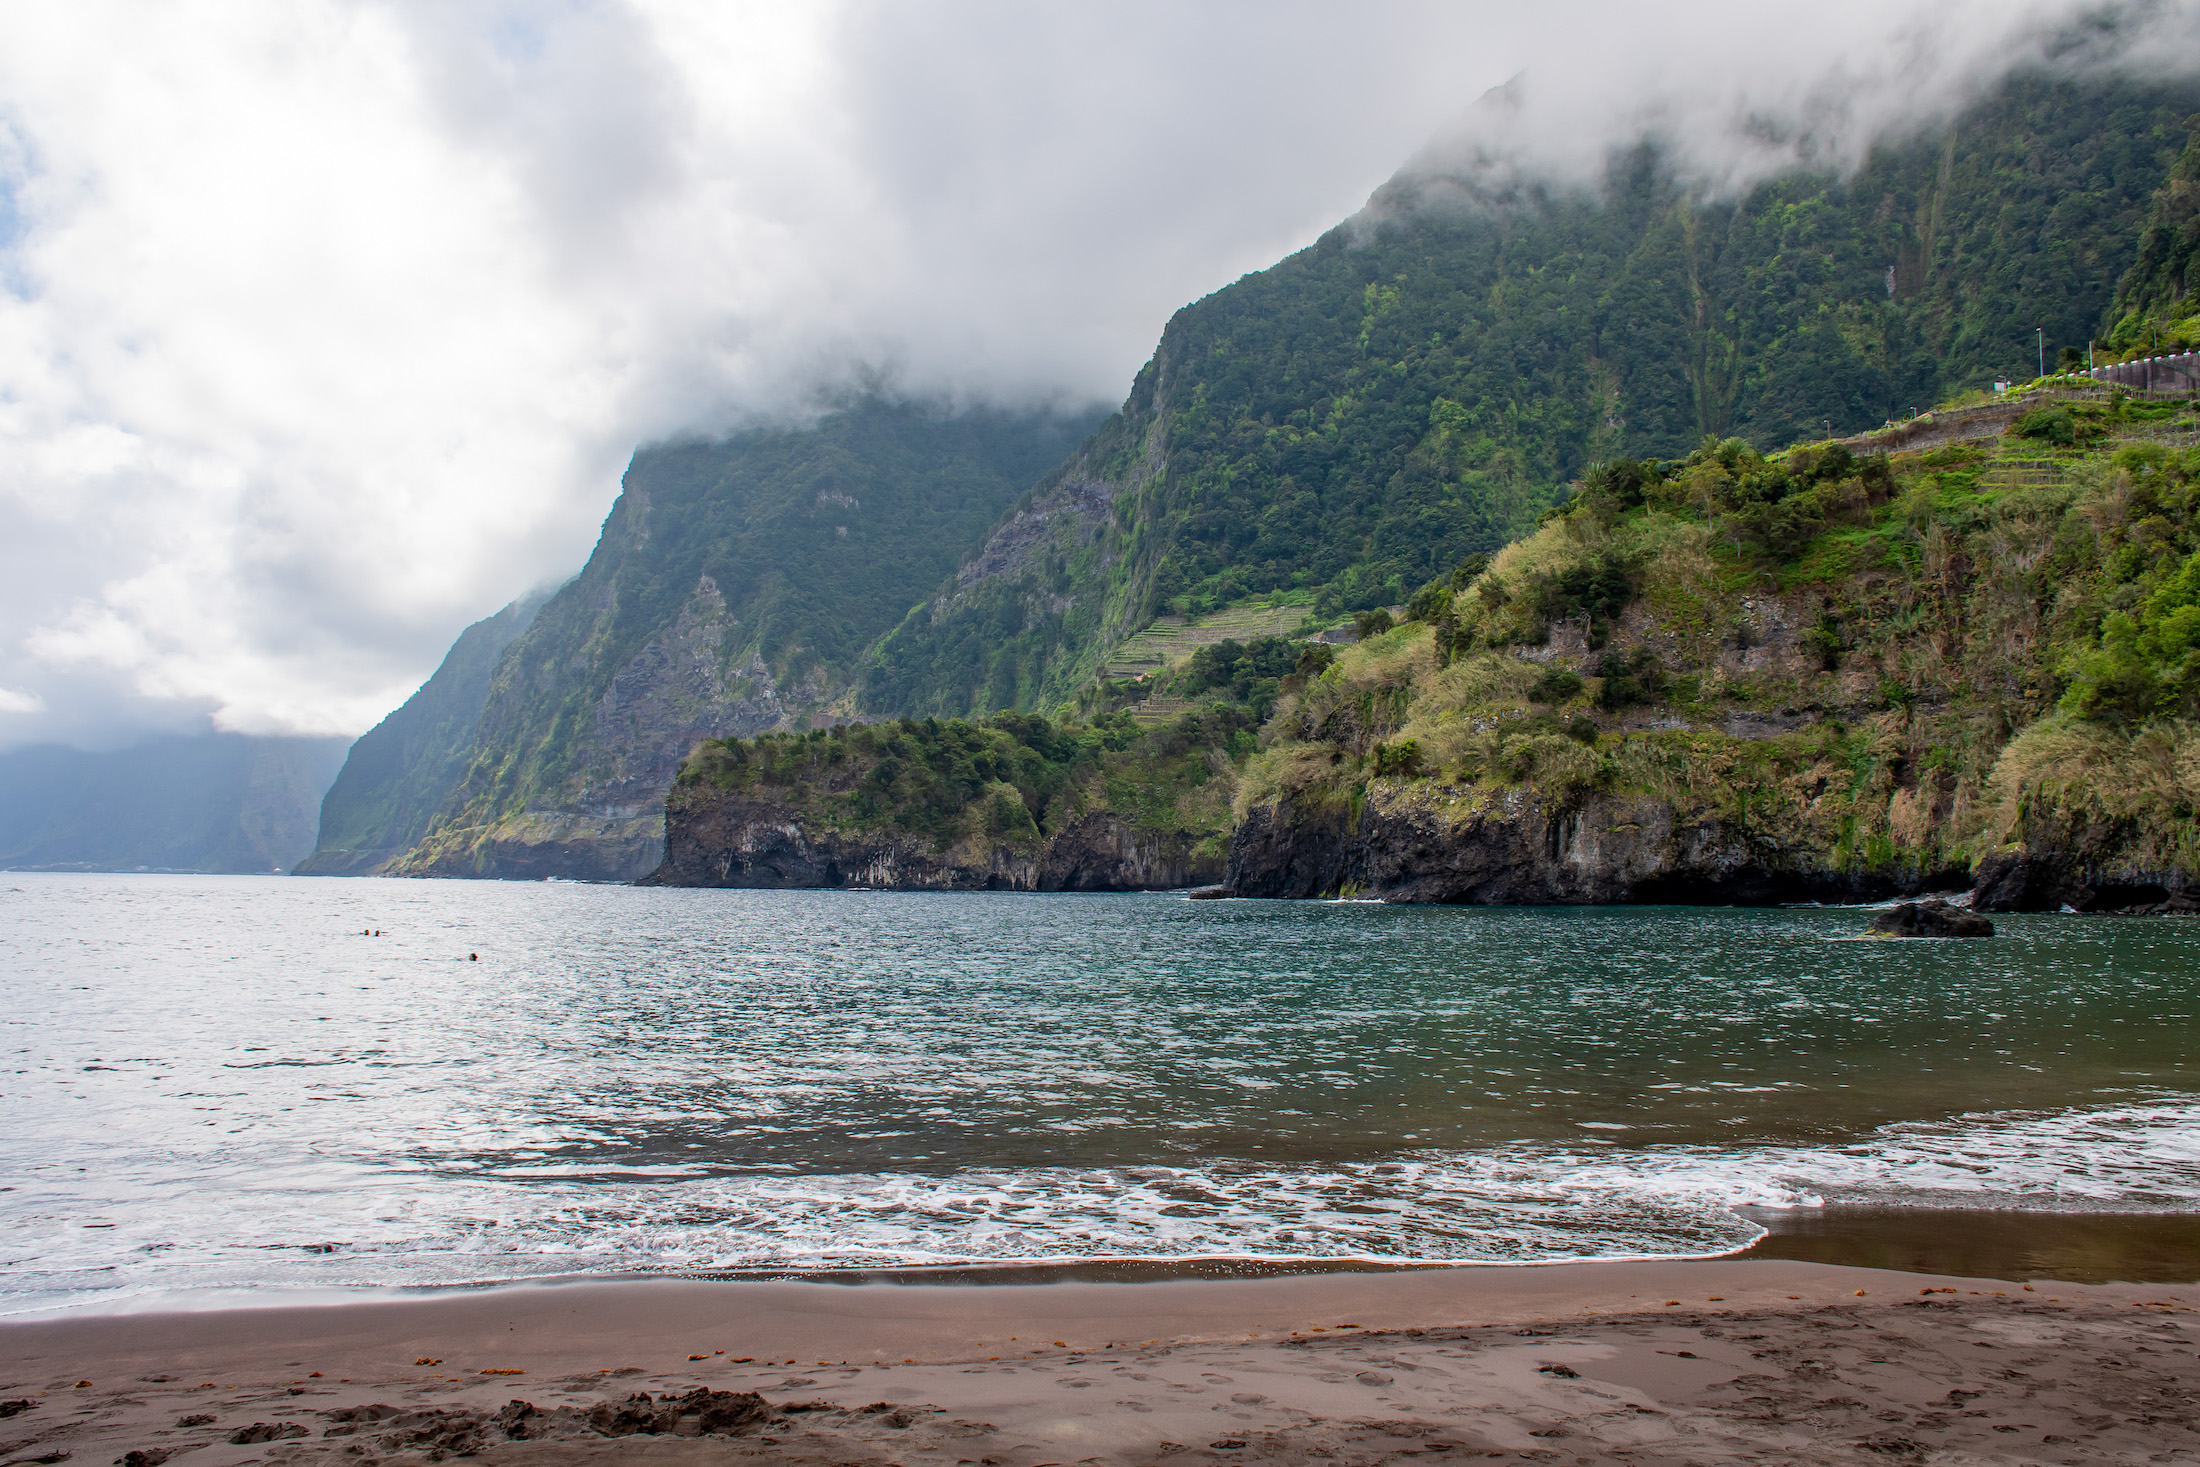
(1208, 893)
(1933, 918)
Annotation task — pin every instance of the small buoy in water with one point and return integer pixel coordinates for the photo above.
(473, 957)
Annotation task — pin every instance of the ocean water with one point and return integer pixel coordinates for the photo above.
(211, 1083)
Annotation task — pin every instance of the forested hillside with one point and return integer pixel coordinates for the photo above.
(735, 588)
(1419, 383)
(2155, 310)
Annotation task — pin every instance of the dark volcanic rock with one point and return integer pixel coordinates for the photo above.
(2017, 880)
(1929, 919)
(712, 1412)
(746, 840)
(1420, 844)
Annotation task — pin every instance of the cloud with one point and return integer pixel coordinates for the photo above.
(1737, 95)
(327, 326)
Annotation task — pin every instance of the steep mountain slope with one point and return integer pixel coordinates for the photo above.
(2156, 309)
(399, 773)
(210, 802)
(734, 590)
(1418, 384)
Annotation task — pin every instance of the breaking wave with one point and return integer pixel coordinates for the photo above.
(1523, 1204)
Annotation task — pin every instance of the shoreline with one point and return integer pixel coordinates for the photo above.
(2070, 1246)
(948, 1358)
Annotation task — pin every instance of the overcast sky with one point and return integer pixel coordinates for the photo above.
(326, 328)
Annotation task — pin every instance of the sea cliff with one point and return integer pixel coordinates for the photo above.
(1010, 803)
(775, 843)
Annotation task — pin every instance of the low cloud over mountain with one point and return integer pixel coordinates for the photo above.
(326, 328)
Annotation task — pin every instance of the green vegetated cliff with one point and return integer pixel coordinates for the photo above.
(1728, 678)
(398, 773)
(735, 589)
(1014, 801)
(1418, 384)
(2158, 300)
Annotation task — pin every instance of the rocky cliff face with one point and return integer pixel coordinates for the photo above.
(2082, 865)
(1432, 843)
(606, 822)
(398, 774)
(1425, 843)
(1060, 582)
(750, 841)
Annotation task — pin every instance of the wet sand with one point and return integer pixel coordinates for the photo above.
(1664, 1363)
(2080, 1247)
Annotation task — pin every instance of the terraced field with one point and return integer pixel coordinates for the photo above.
(1171, 639)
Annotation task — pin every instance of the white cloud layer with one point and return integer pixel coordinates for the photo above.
(327, 327)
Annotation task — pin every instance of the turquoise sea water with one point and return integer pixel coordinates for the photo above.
(219, 1081)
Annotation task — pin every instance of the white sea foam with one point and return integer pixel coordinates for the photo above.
(1521, 1204)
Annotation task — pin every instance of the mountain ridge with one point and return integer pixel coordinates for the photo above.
(1411, 389)
(1347, 426)
(735, 585)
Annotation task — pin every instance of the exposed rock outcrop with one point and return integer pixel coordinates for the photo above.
(744, 840)
(1429, 843)
(2066, 856)
(1931, 918)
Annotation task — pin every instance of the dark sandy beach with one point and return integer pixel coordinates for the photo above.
(1667, 1363)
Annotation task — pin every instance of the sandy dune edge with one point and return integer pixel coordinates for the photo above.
(1572, 1363)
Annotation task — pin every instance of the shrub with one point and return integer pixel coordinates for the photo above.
(1556, 685)
(2049, 425)
(1401, 760)
(1431, 603)
(1249, 672)
(1825, 640)
(1373, 624)
(1629, 678)
(1314, 659)
(1468, 571)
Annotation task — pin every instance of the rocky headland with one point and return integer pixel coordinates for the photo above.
(1014, 803)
